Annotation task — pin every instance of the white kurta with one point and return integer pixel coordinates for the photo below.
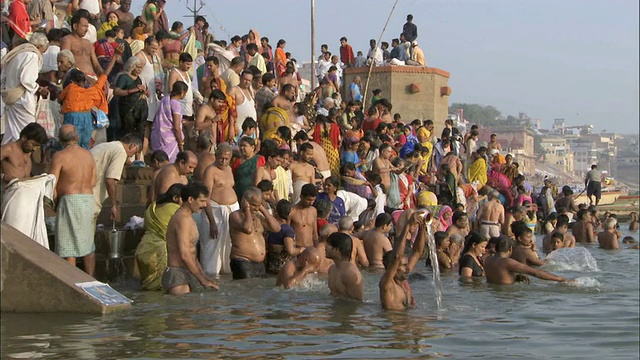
(21, 70)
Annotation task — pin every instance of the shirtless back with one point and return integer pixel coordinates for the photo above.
(304, 217)
(491, 216)
(608, 239)
(376, 243)
(82, 49)
(320, 157)
(74, 166)
(582, 229)
(204, 154)
(345, 280)
(16, 156)
(182, 235)
(358, 254)
(323, 235)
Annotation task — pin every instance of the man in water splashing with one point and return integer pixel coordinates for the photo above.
(395, 292)
(501, 269)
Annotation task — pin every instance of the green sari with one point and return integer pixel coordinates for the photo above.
(243, 175)
(151, 254)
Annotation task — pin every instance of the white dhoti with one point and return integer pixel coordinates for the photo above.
(297, 188)
(18, 78)
(214, 253)
(325, 173)
(23, 206)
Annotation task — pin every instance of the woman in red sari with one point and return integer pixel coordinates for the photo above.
(327, 134)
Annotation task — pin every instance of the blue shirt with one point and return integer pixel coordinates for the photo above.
(350, 156)
(338, 208)
(399, 53)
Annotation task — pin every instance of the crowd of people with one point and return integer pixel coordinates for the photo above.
(252, 176)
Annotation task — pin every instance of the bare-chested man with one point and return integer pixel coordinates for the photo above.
(209, 115)
(82, 49)
(562, 227)
(608, 238)
(319, 155)
(493, 143)
(395, 292)
(301, 171)
(376, 242)
(457, 232)
(501, 269)
(75, 170)
(268, 171)
(491, 216)
(522, 252)
(289, 78)
(382, 166)
(246, 229)
(216, 245)
(296, 269)
(345, 280)
(175, 173)
(184, 272)
(582, 229)
(204, 154)
(323, 234)
(304, 217)
(16, 156)
(358, 255)
(516, 215)
(285, 100)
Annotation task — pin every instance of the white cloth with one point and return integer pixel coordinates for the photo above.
(91, 35)
(187, 101)
(322, 68)
(110, 158)
(297, 189)
(245, 110)
(381, 200)
(215, 253)
(375, 55)
(50, 59)
(21, 71)
(354, 204)
(148, 77)
(23, 206)
(92, 6)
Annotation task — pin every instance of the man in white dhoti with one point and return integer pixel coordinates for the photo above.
(20, 68)
(23, 195)
(215, 241)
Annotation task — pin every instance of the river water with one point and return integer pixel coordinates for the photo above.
(596, 318)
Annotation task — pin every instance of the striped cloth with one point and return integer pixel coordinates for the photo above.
(75, 226)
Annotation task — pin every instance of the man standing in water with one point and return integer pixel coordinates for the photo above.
(183, 272)
(185, 163)
(376, 242)
(304, 217)
(395, 292)
(491, 216)
(501, 269)
(345, 280)
(301, 171)
(247, 235)
(216, 246)
(75, 170)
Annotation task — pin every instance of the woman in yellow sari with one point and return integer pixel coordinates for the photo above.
(477, 170)
(271, 120)
(151, 254)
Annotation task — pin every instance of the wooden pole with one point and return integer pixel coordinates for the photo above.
(366, 87)
(313, 44)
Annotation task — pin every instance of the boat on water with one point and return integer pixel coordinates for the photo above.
(608, 197)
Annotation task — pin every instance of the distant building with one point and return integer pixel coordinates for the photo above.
(557, 152)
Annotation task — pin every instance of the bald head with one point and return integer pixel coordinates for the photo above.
(68, 133)
(309, 256)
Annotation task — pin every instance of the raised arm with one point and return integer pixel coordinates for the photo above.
(418, 247)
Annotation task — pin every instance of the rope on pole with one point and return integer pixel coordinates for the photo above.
(366, 87)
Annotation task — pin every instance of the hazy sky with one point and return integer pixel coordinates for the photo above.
(572, 59)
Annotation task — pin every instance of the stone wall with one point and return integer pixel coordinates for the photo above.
(415, 92)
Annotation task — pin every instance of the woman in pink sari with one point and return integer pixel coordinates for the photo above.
(445, 217)
(166, 131)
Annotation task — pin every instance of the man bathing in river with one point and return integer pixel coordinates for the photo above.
(501, 269)
(295, 270)
(345, 280)
(304, 217)
(246, 229)
(175, 173)
(184, 273)
(395, 292)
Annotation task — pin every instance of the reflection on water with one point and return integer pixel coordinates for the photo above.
(596, 318)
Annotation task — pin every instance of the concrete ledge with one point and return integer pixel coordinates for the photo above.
(34, 279)
(398, 69)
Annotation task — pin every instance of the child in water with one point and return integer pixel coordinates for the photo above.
(557, 241)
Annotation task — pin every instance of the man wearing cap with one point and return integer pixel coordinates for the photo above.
(417, 55)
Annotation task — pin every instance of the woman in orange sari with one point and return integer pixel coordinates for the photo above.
(281, 58)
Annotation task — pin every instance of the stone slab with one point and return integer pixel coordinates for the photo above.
(36, 280)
